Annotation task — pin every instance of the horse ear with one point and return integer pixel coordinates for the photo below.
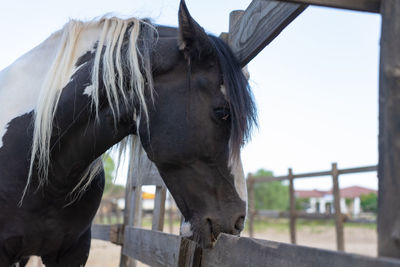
(193, 40)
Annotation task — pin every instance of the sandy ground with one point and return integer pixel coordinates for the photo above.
(357, 240)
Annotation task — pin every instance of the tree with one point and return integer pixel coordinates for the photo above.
(302, 203)
(109, 166)
(271, 195)
(369, 202)
(110, 188)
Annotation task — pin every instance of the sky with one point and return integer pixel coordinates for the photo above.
(315, 85)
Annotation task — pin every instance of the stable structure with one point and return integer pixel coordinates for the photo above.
(250, 31)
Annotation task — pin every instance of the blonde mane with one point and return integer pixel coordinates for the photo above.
(108, 34)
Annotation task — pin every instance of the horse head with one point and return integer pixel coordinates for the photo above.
(202, 114)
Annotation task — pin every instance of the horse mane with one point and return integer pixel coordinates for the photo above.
(108, 59)
(240, 98)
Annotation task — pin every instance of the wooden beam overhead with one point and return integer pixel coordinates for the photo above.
(259, 25)
(359, 5)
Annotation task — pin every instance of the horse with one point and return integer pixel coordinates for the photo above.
(178, 94)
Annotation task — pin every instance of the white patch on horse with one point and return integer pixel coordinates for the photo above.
(223, 91)
(21, 82)
(240, 181)
(186, 229)
(88, 90)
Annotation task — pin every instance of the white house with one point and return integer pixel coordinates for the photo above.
(322, 201)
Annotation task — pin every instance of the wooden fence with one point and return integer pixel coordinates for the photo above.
(293, 214)
(160, 249)
(250, 31)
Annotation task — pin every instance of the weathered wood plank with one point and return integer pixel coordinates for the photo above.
(157, 248)
(100, 231)
(315, 174)
(259, 25)
(359, 170)
(147, 173)
(389, 132)
(133, 198)
(160, 249)
(267, 179)
(252, 205)
(338, 212)
(358, 5)
(106, 232)
(292, 210)
(234, 251)
(159, 209)
(234, 17)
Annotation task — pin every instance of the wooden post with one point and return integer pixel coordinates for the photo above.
(124, 260)
(159, 209)
(338, 212)
(101, 215)
(234, 17)
(135, 213)
(389, 132)
(261, 22)
(133, 208)
(292, 200)
(170, 214)
(252, 210)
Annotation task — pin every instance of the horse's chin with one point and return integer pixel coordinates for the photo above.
(203, 235)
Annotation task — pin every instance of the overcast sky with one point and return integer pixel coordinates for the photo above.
(316, 85)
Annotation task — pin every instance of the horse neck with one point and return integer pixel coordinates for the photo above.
(79, 137)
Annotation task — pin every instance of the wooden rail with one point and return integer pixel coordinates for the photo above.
(258, 25)
(274, 214)
(250, 31)
(160, 249)
(358, 5)
(293, 214)
(235, 251)
(113, 233)
(266, 179)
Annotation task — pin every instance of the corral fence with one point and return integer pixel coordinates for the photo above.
(156, 248)
(293, 214)
(249, 32)
(109, 211)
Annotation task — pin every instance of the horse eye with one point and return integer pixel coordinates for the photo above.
(222, 113)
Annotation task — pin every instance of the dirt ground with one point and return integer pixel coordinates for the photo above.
(357, 240)
(360, 240)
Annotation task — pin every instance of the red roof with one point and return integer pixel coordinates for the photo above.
(347, 192)
(355, 191)
(310, 193)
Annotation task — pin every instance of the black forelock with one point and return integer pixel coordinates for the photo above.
(241, 103)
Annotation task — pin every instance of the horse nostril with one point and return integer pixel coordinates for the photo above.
(239, 225)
